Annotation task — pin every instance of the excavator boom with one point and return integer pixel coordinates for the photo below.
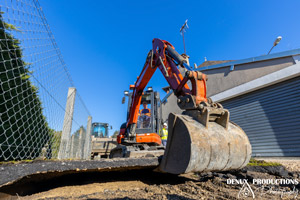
(156, 58)
(163, 56)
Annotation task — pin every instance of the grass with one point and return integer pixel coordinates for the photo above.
(37, 159)
(263, 163)
(15, 161)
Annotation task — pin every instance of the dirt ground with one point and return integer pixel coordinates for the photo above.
(146, 184)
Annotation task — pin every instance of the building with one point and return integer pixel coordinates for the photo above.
(263, 96)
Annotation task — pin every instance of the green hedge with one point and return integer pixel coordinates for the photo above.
(23, 127)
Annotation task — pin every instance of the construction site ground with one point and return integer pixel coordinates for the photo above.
(144, 183)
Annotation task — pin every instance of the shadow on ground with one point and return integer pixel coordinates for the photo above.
(43, 182)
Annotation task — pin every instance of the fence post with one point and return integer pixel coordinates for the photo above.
(80, 143)
(87, 143)
(72, 148)
(64, 148)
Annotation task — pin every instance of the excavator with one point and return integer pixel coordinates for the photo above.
(201, 138)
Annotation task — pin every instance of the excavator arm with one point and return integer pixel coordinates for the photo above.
(199, 139)
(164, 57)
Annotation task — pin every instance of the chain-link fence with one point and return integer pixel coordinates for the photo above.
(36, 113)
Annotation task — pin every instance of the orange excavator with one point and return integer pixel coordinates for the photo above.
(201, 138)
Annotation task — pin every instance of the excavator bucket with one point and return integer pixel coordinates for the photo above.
(194, 147)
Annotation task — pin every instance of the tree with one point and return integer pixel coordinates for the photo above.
(116, 133)
(23, 127)
(54, 143)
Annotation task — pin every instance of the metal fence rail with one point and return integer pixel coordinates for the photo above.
(36, 114)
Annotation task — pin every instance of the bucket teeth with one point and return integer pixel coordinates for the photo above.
(193, 147)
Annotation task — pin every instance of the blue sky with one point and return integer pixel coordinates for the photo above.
(105, 43)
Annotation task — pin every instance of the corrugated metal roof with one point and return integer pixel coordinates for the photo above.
(213, 62)
(253, 59)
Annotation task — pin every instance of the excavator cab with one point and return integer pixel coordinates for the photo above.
(100, 130)
(148, 122)
(146, 140)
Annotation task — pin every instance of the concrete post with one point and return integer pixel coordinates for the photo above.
(72, 148)
(64, 148)
(75, 147)
(87, 143)
(80, 144)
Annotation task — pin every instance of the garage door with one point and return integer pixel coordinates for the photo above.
(270, 117)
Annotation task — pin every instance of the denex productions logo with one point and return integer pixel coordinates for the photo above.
(265, 186)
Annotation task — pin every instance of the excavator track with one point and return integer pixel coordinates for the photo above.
(135, 151)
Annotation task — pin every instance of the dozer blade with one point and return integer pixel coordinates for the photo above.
(193, 147)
